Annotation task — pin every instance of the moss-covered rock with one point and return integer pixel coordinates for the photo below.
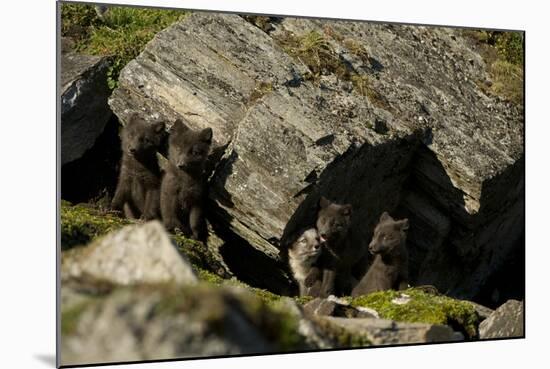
(342, 338)
(421, 307)
(200, 255)
(171, 321)
(265, 295)
(81, 224)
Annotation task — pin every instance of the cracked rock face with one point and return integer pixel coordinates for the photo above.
(405, 129)
(84, 108)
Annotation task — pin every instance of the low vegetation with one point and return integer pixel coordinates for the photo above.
(422, 307)
(80, 224)
(121, 32)
(503, 54)
(315, 51)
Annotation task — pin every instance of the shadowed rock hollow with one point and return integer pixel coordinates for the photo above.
(385, 117)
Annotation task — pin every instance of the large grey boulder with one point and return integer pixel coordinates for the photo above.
(404, 129)
(388, 332)
(283, 131)
(506, 321)
(135, 254)
(163, 322)
(84, 109)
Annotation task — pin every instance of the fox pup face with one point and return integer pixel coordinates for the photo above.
(307, 246)
(189, 149)
(333, 220)
(141, 139)
(388, 234)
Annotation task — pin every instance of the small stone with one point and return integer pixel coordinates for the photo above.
(506, 321)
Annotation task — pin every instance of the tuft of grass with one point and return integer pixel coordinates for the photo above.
(78, 20)
(315, 51)
(361, 84)
(423, 308)
(503, 54)
(357, 49)
(121, 33)
(510, 47)
(507, 80)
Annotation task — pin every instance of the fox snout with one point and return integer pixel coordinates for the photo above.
(373, 248)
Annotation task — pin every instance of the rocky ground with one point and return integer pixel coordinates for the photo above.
(131, 291)
(385, 117)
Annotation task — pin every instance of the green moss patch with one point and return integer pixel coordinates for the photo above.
(422, 308)
(503, 54)
(81, 224)
(122, 32)
(264, 295)
(199, 255)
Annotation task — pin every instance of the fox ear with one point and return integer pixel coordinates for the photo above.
(385, 216)
(206, 135)
(158, 126)
(179, 127)
(346, 210)
(323, 202)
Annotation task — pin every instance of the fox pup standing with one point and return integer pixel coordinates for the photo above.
(339, 254)
(138, 188)
(183, 186)
(390, 267)
(302, 255)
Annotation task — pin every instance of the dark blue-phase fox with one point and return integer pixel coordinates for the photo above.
(390, 267)
(138, 188)
(340, 255)
(183, 186)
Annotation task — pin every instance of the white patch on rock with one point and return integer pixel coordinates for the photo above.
(337, 300)
(364, 309)
(402, 299)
